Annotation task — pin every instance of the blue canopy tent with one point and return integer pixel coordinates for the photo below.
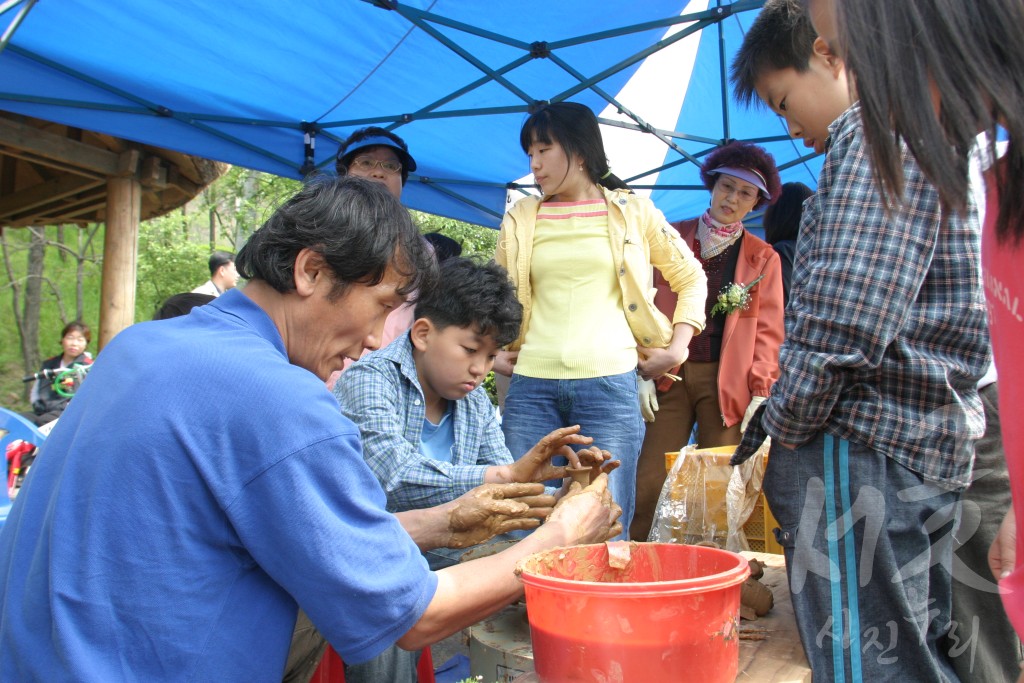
(274, 86)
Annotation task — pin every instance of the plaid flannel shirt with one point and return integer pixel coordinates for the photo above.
(381, 393)
(885, 329)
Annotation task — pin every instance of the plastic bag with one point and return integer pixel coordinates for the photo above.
(706, 500)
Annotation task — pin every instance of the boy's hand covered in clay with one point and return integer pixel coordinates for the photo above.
(589, 514)
(593, 462)
(536, 465)
(492, 509)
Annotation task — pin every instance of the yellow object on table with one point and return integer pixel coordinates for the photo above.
(704, 494)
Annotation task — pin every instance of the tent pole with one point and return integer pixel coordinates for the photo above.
(725, 77)
(120, 255)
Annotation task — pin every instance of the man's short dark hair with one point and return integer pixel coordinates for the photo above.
(218, 259)
(181, 304)
(781, 220)
(444, 246)
(782, 37)
(476, 295)
(355, 224)
(363, 139)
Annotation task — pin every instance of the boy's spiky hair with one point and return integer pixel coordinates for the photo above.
(781, 37)
(473, 294)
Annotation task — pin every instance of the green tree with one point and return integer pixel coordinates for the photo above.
(476, 240)
(168, 263)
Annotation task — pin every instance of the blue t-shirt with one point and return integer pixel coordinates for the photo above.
(437, 440)
(196, 489)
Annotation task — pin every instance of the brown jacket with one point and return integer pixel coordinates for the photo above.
(749, 362)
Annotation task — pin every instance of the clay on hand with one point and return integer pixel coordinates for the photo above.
(590, 514)
(536, 465)
(492, 509)
(598, 460)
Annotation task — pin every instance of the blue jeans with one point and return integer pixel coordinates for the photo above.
(868, 546)
(605, 408)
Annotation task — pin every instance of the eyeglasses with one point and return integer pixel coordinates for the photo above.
(366, 165)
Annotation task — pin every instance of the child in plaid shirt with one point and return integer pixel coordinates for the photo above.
(875, 413)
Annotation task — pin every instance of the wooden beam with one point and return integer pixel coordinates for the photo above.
(42, 164)
(43, 193)
(176, 179)
(153, 174)
(69, 206)
(120, 255)
(128, 163)
(48, 145)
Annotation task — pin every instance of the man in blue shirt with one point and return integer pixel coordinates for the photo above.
(164, 533)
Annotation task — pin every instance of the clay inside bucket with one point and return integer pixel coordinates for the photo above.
(671, 614)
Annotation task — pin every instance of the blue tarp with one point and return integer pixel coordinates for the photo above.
(250, 82)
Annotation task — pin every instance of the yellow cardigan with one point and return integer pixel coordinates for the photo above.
(640, 238)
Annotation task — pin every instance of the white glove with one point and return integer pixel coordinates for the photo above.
(755, 403)
(648, 398)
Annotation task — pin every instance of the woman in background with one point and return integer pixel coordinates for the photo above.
(47, 404)
(732, 366)
(580, 257)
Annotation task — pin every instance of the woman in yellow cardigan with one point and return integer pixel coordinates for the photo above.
(580, 257)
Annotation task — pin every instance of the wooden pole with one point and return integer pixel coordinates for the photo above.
(120, 256)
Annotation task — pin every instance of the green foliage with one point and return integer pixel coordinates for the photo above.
(491, 388)
(168, 263)
(173, 254)
(476, 240)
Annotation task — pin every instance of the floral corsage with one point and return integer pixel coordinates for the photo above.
(734, 297)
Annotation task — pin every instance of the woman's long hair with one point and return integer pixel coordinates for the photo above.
(967, 57)
(574, 127)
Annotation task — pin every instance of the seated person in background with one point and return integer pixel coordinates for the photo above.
(429, 430)
(181, 304)
(47, 404)
(223, 275)
(782, 225)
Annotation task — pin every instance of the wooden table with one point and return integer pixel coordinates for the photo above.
(779, 657)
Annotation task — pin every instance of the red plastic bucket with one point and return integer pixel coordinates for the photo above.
(671, 614)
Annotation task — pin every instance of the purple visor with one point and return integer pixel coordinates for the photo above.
(748, 174)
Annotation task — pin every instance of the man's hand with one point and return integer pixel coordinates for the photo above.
(492, 509)
(536, 465)
(1003, 553)
(588, 515)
